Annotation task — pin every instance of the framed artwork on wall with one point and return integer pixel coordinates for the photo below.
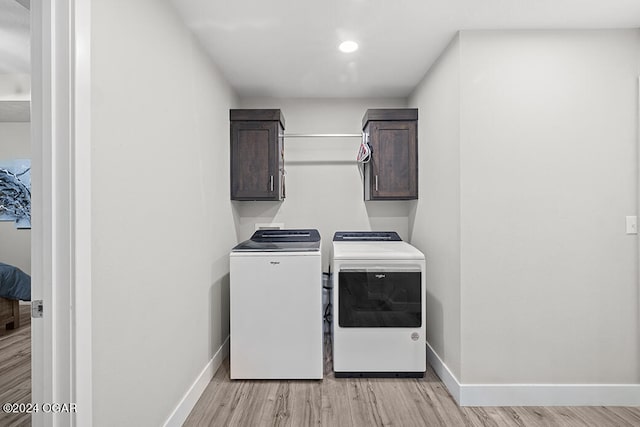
(15, 192)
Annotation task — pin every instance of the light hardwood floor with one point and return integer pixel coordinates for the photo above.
(373, 402)
(331, 402)
(15, 368)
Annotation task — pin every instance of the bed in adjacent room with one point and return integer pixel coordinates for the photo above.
(15, 286)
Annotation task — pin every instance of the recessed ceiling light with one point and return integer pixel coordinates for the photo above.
(348, 46)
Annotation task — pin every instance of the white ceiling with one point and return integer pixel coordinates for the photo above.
(288, 48)
(15, 87)
(14, 37)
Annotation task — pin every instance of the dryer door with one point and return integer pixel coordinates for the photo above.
(379, 299)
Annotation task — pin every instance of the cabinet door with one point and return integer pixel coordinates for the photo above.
(254, 160)
(394, 161)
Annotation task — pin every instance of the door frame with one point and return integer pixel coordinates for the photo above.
(61, 208)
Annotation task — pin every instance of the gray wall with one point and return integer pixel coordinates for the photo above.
(528, 167)
(162, 220)
(436, 218)
(323, 179)
(547, 173)
(15, 245)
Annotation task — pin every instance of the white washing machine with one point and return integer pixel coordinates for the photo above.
(276, 306)
(379, 303)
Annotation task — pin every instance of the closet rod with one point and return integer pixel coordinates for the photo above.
(323, 135)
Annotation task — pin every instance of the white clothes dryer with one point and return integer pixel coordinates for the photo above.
(379, 303)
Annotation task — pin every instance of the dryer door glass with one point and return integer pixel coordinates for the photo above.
(382, 299)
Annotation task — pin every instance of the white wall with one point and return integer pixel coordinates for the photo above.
(162, 220)
(548, 164)
(436, 218)
(323, 181)
(15, 245)
(549, 169)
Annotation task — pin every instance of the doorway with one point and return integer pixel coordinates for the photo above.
(61, 209)
(15, 232)
(60, 241)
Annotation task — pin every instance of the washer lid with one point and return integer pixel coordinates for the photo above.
(366, 236)
(298, 240)
(375, 251)
(294, 235)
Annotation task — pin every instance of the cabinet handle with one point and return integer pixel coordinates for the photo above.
(271, 183)
(376, 182)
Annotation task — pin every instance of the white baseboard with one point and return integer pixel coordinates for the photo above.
(534, 394)
(182, 411)
(550, 395)
(447, 377)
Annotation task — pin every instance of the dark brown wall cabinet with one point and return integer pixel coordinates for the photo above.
(257, 154)
(392, 172)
